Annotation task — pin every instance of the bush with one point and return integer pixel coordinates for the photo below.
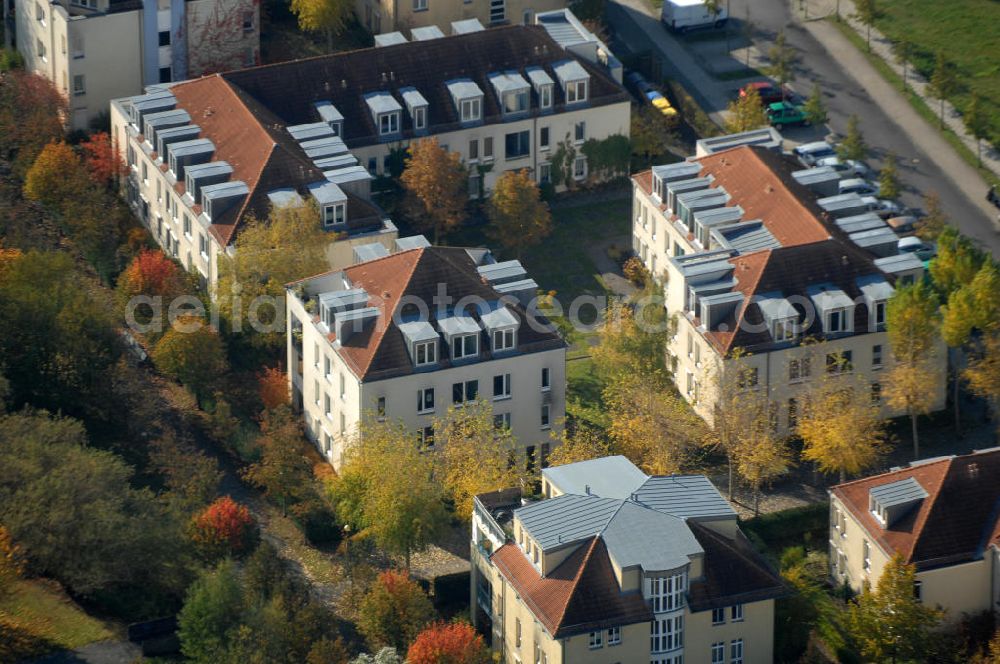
(317, 521)
(635, 271)
(451, 590)
(798, 526)
(224, 528)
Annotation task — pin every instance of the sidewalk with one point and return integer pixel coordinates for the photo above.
(881, 46)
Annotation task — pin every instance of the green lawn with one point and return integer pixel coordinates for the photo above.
(966, 31)
(35, 618)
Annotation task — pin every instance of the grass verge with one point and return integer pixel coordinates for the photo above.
(36, 618)
(918, 104)
(693, 114)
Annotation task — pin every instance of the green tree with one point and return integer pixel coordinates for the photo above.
(814, 107)
(746, 112)
(212, 608)
(783, 58)
(394, 611)
(283, 472)
(325, 16)
(943, 83)
(902, 53)
(518, 216)
(853, 146)
(889, 623)
(957, 262)
(436, 184)
(651, 133)
(888, 178)
(387, 489)
(581, 443)
(934, 219)
(194, 357)
(866, 12)
(633, 340)
(977, 123)
(913, 327)
(290, 244)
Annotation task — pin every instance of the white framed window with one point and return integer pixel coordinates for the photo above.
(328, 406)
(488, 148)
(879, 313)
(667, 592)
(465, 345)
(472, 109)
(877, 356)
(503, 340)
(545, 96)
(579, 168)
(576, 91)
(465, 391)
(545, 173)
(614, 636)
(388, 123)
(543, 138)
(327, 368)
(719, 652)
(515, 101)
(501, 421)
(425, 352)
(546, 416)
(719, 616)
(785, 329)
(666, 634)
(334, 215)
(474, 149)
(317, 392)
(596, 640)
(203, 245)
(836, 321)
(517, 632)
(380, 408)
(736, 613)
(343, 425)
(546, 384)
(426, 435)
(187, 226)
(799, 369)
(420, 117)
(580, 131)
(866, 554)
(498, 11)
(419, 5)
(501, 387)
(736, 651)
(79, 85)
(425, 401)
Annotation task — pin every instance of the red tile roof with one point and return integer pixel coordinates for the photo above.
(733, 572)
(580, 595)
(955, 523)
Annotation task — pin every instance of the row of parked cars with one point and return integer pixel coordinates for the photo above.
(779, 102)
(650, 94)
(856, 177)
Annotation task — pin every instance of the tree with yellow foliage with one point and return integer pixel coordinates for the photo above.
(840, 427)
(326, 16)
(746, 112)
(581, 444)
(477, 454)
(519, 218)
(436, 186)
(633, 339)
(56, 176)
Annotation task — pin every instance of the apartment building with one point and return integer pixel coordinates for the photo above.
(404, 15)
(202, 159)
(940, 515)
(613, 565)
(756, 260)
(408, 334)
(94, 51)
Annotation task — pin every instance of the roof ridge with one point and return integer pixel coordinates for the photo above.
(751, 290)
(924, 515)
(575, 583)
(892, 472)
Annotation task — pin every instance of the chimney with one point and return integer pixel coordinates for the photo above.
(587, 489)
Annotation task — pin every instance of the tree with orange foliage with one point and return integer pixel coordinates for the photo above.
(224, 528)
(54, 177)
(436, 186)
(449, 643)
(103, 161)
(273, 388)
(31, 116)
(150, 274)
(394, 611)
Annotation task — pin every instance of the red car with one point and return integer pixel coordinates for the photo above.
(769, 93)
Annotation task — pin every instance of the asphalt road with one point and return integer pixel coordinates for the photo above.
(844, 96)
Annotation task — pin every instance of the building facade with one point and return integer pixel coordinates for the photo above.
(94, 51)
(615, 566)
(939, 515)
(402, 15)
(754, 267)
(409, 334)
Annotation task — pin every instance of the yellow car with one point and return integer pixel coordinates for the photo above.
(664, 106)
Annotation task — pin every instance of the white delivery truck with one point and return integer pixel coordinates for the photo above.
(683, 15)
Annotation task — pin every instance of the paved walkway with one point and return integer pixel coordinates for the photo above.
(882, 47)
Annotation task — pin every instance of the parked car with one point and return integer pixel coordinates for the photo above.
(903, 225)
(809, 153)
(638, 83)
(663, 105)
(684, 15)
(785, 113)
(850, 168)
(884, 207)
(769, 93)
(858, 186)
(993, 196)
(925, 251)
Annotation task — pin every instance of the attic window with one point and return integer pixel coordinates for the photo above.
(465, 345)
(425, 353)
(545, 96)
(515, 101)
(388, 123)
(504, 339)
(334, 215)
(472, 109)
(785, 329)
(576, 91)
(836, 321)
(420, 118)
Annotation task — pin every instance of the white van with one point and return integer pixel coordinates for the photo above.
(683, 15)
(810, 153)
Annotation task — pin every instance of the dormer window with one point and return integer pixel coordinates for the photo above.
(545, 96)
(503, 340)
(334, 215)
(472, 109)
(836, 321)
(425, 353)
(388, 123)
(878, 310)
(785, 329)
(515, 101)
(465, 345)
(576, 91)
(420, 118)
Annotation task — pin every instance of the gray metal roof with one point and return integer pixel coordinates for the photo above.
(511, 270)
(305, 132)
(382, 102)
(637, 536)
(768, 137)
(348, 174)
(284, 197)
(684, 170)
(775, 306)
(828, 296)
(343, 300)
(196, 171)
(899, 263)
(608, 477)
(327, 193)
(875, 288)
(390, 39)
(221, 190)
(426, 33)
(564, 30)
(809, 176)
(463, 88)
(874, 238)
(898, 493)
(327, 111)
(197, 146)
(678, 187)
(173, 118)
(159, 100)
(567, 518)
(338, 161)
(165, 137)
(716, 216)
(507, 81)
(746, 236)
(497, 317)
(861, 222)
(327, 146)
(516, 286)
(369, 252)
(685, 496)
(538, 77)
(412, 98)
(411, 242)
(453, 325)
(568, 71)
(418, 330)
(841, 202)
(467, 26)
